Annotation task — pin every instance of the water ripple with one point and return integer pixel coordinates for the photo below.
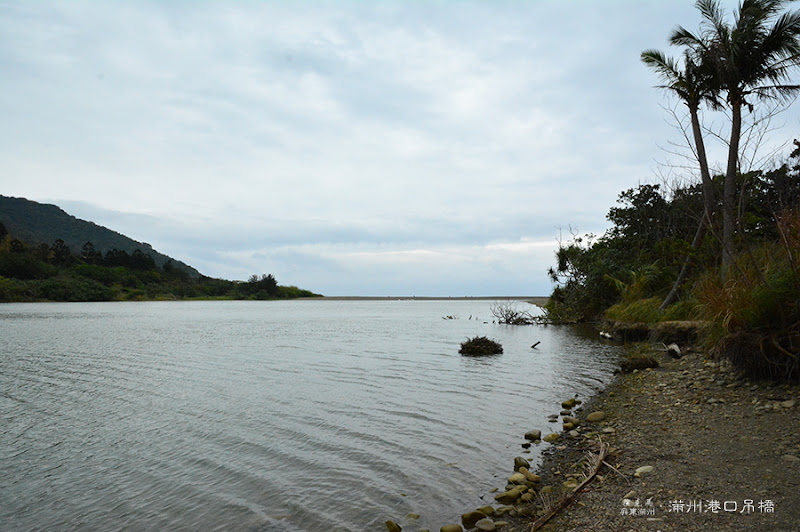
(267, 416)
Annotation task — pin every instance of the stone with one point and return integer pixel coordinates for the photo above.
(791, 458)
(595, 417)
(500, 524)
(485, 525)
(487, 510)
(451, 528)
(550, 438)
(630, 495)
(521, 462)
(787, 404)
(575, 421)
(526, 445)
(412, 516)
(609, 430)
(470, 518)
(568, 404)
(568, 426)
(643, 471)
(516, 478)
(508, 497)
(533, 435)
(391, 526)
(530, 477)
(574, 433)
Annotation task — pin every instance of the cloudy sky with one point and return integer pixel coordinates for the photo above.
(347, 147)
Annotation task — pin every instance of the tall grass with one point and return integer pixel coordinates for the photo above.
(755, 311)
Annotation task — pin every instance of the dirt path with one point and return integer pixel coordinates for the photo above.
(724, 453)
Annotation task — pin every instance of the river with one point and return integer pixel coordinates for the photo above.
(305, 415)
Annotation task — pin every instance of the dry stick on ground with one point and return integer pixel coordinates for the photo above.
(596, 463)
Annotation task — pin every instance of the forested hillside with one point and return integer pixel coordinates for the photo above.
(40, 223)
(74, 267)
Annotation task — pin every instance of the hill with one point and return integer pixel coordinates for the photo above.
(38, 223)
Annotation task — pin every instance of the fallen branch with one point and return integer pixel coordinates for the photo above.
(597, 462)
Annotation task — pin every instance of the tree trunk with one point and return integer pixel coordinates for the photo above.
(709, 206)
(729, 190)
(698, 240)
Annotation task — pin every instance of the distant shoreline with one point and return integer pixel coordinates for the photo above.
(535, 300)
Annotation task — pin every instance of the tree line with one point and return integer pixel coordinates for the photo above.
(724, 248)
(53, 272)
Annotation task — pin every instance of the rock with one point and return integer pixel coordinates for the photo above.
(570, 484)
(568, 426)
(574, 433)
(636, 363)
(595, 417)
(530, 477)
(674, 351)
(568, 404)
(391, 526)
(575, 421)
(791, 458)
(412, 516)
(451, 528)
(787, 404)
(469, 519)
(609, 430)
(643, 471)
(526, 445)
(533, 435)
(485, 524)
(565, 413)
(500, 524)
(521, 462)
(552, 437)
(487, 510)
(508, 497)
(630, 495)
(516, 478)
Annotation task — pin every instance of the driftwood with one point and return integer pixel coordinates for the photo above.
(596, 463)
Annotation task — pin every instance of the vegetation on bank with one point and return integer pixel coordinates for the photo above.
(724, 248)
(53, 273)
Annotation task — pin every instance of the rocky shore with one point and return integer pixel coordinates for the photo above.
(691, 446)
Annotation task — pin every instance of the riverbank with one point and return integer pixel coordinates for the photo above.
(718, 452)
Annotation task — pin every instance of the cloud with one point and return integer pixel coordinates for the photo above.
(243, 136)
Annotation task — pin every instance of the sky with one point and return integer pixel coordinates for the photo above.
(370, 148)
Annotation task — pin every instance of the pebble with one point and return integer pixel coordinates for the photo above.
(790, 458)
(643, 471)
(533, 435)
(787, 404)
(470, 518)
(391, 526)
(550, 438)
(521, 462)
(485, 524)
(594, 417)
(451, 528)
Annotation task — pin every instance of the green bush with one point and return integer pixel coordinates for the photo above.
(639, 311)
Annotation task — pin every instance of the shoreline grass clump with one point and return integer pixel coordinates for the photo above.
(480, 345)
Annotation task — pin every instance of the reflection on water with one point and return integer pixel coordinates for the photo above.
(290, 416)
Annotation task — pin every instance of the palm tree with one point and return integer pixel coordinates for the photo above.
(694, 84)
(752, 58)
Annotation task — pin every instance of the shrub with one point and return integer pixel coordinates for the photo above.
(755, 311)
(639, 311)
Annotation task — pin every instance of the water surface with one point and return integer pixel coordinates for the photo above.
(284, 415)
